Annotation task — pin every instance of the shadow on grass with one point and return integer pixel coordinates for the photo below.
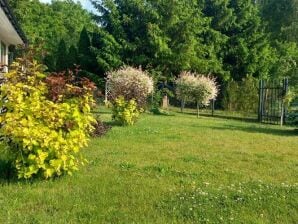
(160, 112)
(7, 172)
(262, 130)
(227, 117)
(245, 119)
(101, 112)
(271, 130)
(113, 123)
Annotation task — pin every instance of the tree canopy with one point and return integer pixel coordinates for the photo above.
(230, 39)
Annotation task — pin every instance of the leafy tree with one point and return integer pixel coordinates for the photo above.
(286, 62)
(164, 36)
(282, 18)
(46, 24)
(246, 49)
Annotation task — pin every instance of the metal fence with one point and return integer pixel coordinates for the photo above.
(271, 101)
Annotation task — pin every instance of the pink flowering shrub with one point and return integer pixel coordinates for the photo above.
(192, 87)
(131, 83)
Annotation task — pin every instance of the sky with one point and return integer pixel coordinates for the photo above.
(85, 3)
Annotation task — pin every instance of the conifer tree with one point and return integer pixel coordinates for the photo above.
(61, 58)
(50, 62)
(247, 49)
(72, 56)
(106, 50)
(86, 58)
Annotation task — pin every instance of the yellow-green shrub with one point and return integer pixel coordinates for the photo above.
(125, 112)
(44, 135)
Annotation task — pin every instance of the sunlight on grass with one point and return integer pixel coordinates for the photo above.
(169, 169)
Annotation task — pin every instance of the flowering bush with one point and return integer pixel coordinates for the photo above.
(125, 112)
(185, 85)
(131, 83)
(191, 87)
(46, 121)
(205, 89)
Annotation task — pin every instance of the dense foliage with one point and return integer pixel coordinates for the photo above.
(47, 24)
(168, 36)
(231, 39)
(242, 96)
(47, 120)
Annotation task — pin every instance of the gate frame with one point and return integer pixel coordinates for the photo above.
(284, 90)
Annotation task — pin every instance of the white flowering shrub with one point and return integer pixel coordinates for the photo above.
(205, 89)
(131, 83)
(185, 85)
(192, 87)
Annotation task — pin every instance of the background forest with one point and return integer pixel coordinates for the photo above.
(230, 39)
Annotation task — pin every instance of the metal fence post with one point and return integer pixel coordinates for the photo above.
(285, 89)
(260, 111)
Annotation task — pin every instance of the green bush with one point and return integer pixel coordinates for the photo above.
(242, 96)
(125, 112)
(47, 120)
(291, 103)
(231, 95)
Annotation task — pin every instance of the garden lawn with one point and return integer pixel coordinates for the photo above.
(169, 169)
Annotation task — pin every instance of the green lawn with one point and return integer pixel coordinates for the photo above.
(170, 169)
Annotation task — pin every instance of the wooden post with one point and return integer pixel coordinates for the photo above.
(165, 102)
(106, 92)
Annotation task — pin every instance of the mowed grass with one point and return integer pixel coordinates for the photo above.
(170, 169)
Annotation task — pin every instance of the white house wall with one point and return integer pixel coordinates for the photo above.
(5, 57)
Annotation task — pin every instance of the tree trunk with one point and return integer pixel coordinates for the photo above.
(182, 105)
